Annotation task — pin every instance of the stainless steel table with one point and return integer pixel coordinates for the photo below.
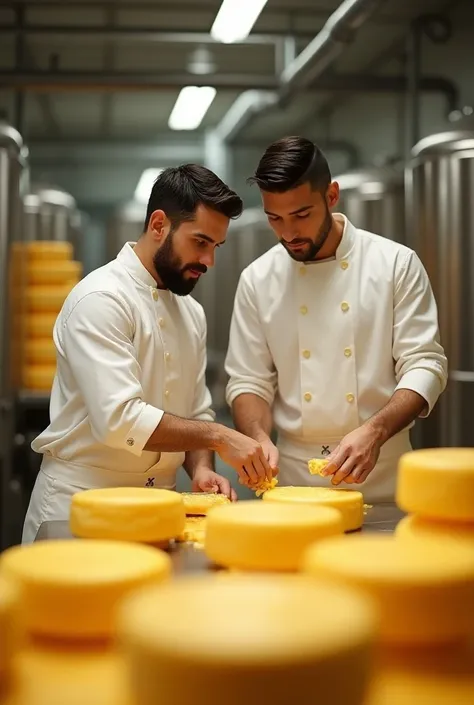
(188, 559)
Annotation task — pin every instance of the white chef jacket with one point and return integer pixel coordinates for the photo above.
(327, 343)
(127, 352)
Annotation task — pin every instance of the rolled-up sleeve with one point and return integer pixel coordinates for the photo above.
(249, 363)
(420, 362)
(202, 398)
(96, 340)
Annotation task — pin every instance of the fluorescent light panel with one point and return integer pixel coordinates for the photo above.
(192, 104)
(145, 184)
(235, 19)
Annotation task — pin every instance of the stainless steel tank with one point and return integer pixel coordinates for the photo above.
(125, 225)
(440, 227)
(50, 213)
(11, 285)
(373, 199)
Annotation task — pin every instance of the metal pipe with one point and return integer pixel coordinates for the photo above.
(139, 34)
(59, 80)
(339, 29)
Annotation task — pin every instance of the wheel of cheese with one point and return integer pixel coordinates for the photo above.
(40, 351)
(415, 527)
(350, 503)
(46, 299)
(39, 378)
(437, 483)
(60, 674)
(71, 589)
(199, 503)
(430, 676)
(40, 325)
(247, 639)
(267, 536)
(53, 272)
(424, 590)
(9, 613)
(49, 250)
(127, 513)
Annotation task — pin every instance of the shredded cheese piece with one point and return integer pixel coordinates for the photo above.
(316, 466)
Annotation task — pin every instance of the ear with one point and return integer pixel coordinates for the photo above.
(332, 194)
(159, 225)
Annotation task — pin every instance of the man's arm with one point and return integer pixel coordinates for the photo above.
(252, 376)
(420, 370)
(96, 339)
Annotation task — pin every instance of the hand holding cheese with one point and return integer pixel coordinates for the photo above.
(355, 456)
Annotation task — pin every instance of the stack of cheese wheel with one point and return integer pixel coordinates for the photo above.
(140, 514)
(350, 503)
(424, 592)
(436, 488)
(197, 505)
(266, 536)
(253, 639)
(51, 273)
(69, 593)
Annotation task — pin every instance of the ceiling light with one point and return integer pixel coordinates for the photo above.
(235, 19)
(145, 184)
(191, 105)
(201, 62)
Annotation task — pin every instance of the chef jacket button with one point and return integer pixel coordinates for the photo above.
(344, 264)
(307, 396)
(344, 306)
(350, 398)
(167, 393)
(303, 310)
(155, 294)
(347, 352)
(303, 270)
(306, 354)
(167, 356)
(130, 442)
(161, 321)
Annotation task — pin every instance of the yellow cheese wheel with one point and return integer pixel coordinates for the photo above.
(437, 483)
(127, 513)
(49, 250)
(271, 536)
(65, 674)
(9, 613)
(40, 325)
(40, 351)
(194, 530)
(71, 589)
(39, 378)
(423, 677)
(424, 590)
(53, 272)
(46, 299)
(201, 502)
(350, 503)
(414, 527)
(247, 639)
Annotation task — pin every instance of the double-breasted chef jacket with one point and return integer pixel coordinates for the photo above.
(327, 343)
(127, 352)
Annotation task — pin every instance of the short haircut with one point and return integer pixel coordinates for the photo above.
(289, 163)
(178, 191)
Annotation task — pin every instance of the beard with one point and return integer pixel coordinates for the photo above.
(171, 272)
(308, 254)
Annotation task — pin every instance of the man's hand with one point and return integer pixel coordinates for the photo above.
(355, 456)
(245, 455)
(206, 480)
(271, 453)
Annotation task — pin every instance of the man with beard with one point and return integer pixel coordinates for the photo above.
(129, 403)
(334, 338)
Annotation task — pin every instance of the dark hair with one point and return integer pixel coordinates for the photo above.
(178, 191)
(289, 163)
